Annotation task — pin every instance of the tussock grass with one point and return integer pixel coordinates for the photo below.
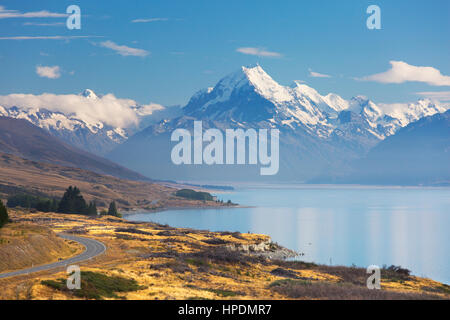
(220, 292)
(338, 291)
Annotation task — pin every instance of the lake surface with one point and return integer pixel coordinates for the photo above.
(338, 225)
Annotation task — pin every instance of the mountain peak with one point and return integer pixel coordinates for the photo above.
(360, 99)
(89, 94)
(256, 72)
(265, 85)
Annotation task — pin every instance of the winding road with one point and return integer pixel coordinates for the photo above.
(93, 248)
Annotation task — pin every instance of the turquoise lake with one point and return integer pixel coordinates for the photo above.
(338, 225)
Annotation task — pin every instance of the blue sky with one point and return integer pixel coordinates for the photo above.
(189, 45)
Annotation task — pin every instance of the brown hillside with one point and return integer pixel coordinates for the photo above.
(23, 245)
(23, 139)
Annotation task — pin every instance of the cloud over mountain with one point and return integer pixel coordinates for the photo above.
(107, 109)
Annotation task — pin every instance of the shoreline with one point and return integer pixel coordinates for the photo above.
(145, 211)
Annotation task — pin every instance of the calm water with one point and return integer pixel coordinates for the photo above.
(338, 225)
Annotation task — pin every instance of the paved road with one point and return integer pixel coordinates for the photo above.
(93, 248)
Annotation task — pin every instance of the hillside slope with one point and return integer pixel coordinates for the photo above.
(24, 245)
(21, 138)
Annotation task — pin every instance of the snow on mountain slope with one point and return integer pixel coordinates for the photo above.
(88, 93)
(407, 113)
(94, 137)
(386, 119)
(336, 102)
(266, 86)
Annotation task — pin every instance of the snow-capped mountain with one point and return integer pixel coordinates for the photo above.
(317, 133)
(80, 126)
(94, 137)
(251, 95)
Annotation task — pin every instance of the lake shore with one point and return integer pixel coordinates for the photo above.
(184, 208)
(183, 263)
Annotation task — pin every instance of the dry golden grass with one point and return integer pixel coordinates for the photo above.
(177, 263)
(24, 245)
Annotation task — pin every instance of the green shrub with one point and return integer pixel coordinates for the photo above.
(195, 195)
(32, 202)
(73, 202)
(112, 211)
(96, 285)
(3, 215)
(92, 209)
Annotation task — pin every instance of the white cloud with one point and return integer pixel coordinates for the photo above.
(49, 24)
(436, 95)
(401, 72)
(107, 109)
(148, 20)
(4, 14)
(48, 72)
(318, 75)
(260, 52)
(47, 37)
(124, 50)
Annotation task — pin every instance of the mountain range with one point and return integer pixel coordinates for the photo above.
(417, 154)
(319, 135)
(94, 136)
(322, 137)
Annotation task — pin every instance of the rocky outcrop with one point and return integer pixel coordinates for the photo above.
(268, 249)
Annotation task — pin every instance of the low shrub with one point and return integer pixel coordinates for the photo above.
(96, 285)
(338, 291)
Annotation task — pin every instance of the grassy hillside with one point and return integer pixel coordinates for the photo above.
(24, 245)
